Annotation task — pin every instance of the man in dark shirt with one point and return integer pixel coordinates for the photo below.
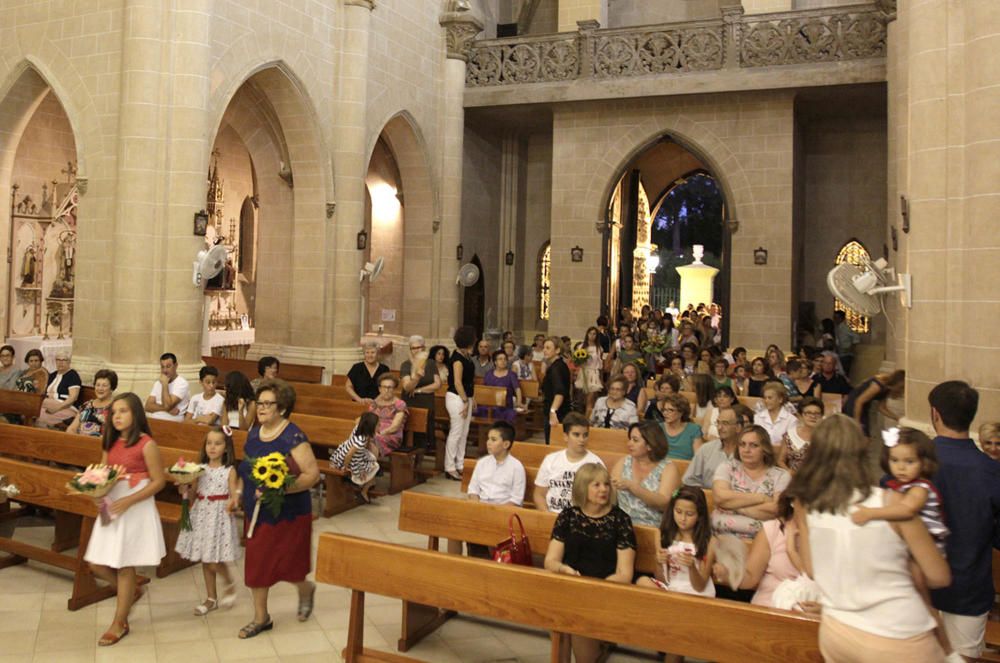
(603, 335)
(969, 483)
(829, 380)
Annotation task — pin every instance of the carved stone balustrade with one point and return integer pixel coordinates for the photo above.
(733, 41)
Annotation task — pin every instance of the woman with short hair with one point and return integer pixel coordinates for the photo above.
(614, 410)
(420, 380)
(391, 412)
(746, 489)
(362, 380)
(555, 384)
(61, 394)
(458, 400)
(94, 413)
(683, 435)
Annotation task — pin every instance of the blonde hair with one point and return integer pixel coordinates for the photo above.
(587, 474)
(988, 431)
(837, 464)
(777, 387)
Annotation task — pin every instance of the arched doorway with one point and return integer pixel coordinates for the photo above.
(38, 166)
(474, 301)
(665, 201)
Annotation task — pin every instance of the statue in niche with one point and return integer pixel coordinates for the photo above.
(29, 263)
(62, 288)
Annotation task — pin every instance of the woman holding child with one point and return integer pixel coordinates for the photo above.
(593, 538)
(645, 478)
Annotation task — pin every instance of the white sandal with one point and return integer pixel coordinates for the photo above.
(208, 606)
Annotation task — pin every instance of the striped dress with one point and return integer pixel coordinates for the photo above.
(932, 513)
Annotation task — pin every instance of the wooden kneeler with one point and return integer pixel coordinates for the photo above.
(46, 487)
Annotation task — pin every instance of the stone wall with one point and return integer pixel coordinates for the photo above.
(744, 138)
(623, 13)
(535, 230)
(480, 213)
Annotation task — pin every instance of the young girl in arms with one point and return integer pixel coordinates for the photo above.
(687, 552)
(213, 539)
(133, 536)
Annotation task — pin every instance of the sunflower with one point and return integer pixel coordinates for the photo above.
(274, 480)
(273, 457)
(260, 471)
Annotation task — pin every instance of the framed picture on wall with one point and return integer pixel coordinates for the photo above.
(201, 223)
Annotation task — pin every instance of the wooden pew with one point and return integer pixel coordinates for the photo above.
(440, 517)
(602, 439)
(646, 618)
(189, 437)
(289, 372)
(21, 403)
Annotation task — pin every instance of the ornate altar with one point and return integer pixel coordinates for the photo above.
(42, 255)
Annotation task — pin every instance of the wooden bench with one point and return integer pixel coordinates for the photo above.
(288, 372)
(21, 403)
(640, 617)
(80, 451)
(189, 436)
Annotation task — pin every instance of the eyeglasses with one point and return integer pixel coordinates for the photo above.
(266, 404)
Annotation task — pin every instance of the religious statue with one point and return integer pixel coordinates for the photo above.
(29, 263)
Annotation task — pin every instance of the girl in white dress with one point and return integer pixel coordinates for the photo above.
(214, 539)
(129, 534)
(687, 549)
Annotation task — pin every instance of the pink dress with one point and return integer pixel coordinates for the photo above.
(388, 442)
(779, 567)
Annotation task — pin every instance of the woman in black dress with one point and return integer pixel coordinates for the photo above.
(555, 384)
(593, 538)
(458, 401)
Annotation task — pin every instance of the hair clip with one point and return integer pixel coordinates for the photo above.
(677, 491)
(890, 437)
(227, 431)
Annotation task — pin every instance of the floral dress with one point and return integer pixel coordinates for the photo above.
(214, 536)
(640, 512)
(92, 418)
(773, 482)
(589, 377)
(388, 442)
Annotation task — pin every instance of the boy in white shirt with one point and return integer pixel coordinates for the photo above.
(206, 407)
(499, 477)
(554, 481)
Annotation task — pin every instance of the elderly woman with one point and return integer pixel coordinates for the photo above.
(614, 410)
(35, 377)
(267, 369)
(645, 478)
(746, 489)
(8, 372)
(391, 413)
(523, 367)
(362, 379)
(501, 376)
(594, 538)
(61, 394)
(95, 412)
(683, 435)
(280, 548)
(420, 379)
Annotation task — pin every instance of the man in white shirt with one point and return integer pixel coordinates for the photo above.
(206, 407)
(554, 481)
(174, 404)
(499, 478)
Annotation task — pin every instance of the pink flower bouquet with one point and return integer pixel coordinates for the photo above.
(185, 472)
(96, 480)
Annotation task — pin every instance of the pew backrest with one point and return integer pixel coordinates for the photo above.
(189, 436)
(20, 403)
(288, 372)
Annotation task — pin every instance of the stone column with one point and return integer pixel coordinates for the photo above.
(350, 149)
(510, 195)
(152, 306)
(460, 29)
(573, 11)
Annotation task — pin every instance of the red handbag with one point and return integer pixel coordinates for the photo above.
(514, 550)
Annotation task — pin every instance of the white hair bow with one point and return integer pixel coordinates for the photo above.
(890, 438)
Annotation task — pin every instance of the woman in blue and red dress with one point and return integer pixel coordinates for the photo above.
(280, 548)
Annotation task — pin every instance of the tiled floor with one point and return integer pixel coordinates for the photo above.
(36, 626)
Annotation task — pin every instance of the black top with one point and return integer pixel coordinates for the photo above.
(69, 379)
(468, 373)
(848, 408)
(365, 385)
(430, 372)
(604, 340)
(556, 381)
(838, 384)
(756, 387)
(592, 544)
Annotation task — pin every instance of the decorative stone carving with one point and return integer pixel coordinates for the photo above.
(330, 209)
(733, 40)
(461, 28)
(888, 8)
(81, 185)
(366, 4)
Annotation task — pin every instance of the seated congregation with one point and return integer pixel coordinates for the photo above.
(651, 458)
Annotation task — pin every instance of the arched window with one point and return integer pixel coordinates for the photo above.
(856, 254)
(544, 271)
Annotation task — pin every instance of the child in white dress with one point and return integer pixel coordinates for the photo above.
(132, 536)
(214, 538)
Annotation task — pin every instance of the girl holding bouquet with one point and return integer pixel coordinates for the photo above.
(132, 535)
(213, 539)
(279, 547)
(588, 379)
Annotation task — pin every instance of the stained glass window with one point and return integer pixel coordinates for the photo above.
(856, 254)
(544, 270)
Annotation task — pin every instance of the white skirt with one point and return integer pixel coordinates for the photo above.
(135, 538)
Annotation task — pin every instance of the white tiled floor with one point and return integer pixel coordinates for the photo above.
(36, 626)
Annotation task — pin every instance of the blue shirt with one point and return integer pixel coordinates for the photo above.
(969, 483)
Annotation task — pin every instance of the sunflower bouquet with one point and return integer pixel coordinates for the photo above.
(273, 478)
(580, 356)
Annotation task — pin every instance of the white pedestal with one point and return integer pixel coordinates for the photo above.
(696, 284)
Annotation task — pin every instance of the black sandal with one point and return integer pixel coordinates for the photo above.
(306, 604)
(253, 629)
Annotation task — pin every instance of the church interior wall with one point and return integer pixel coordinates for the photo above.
(386, 222)
(625, 13)
(480, 212)
(535, 230)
